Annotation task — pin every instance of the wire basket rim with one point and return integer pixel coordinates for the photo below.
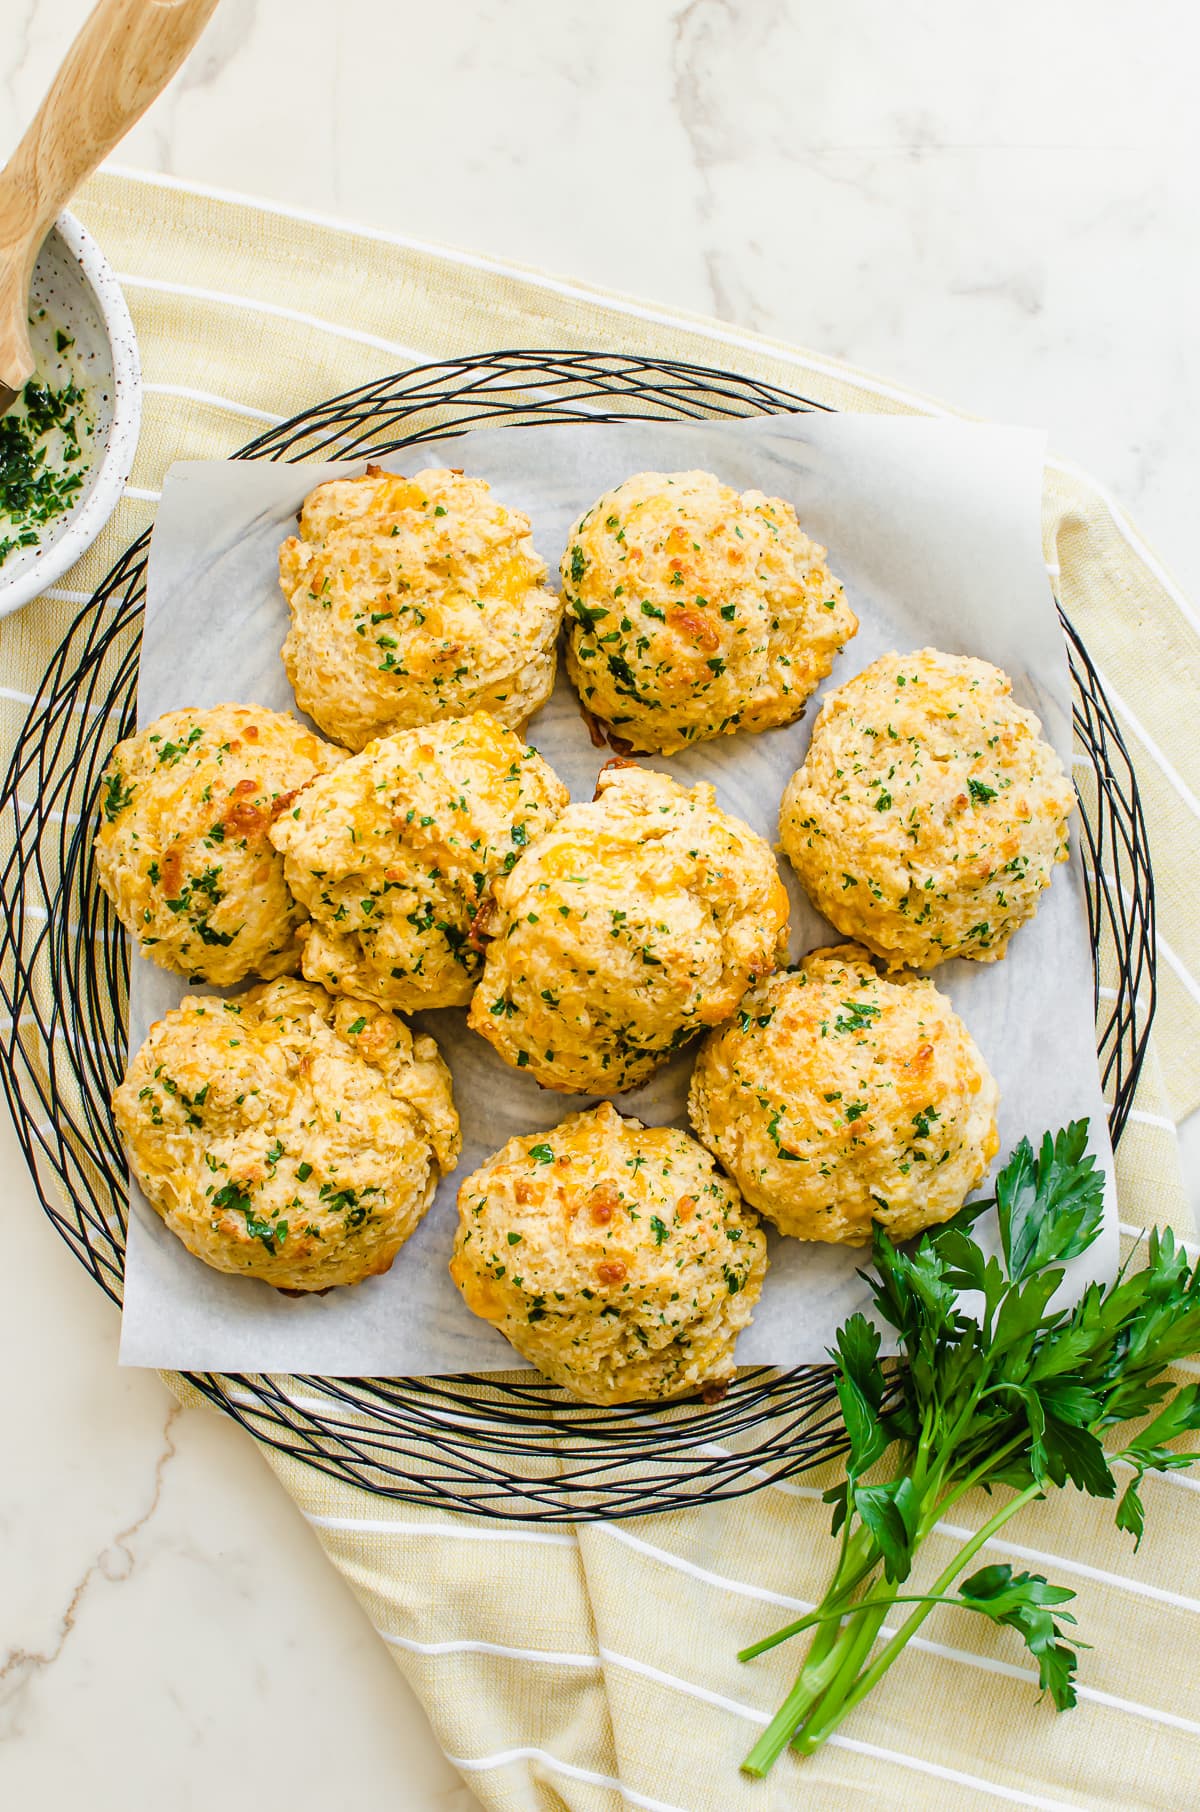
(457, 1418)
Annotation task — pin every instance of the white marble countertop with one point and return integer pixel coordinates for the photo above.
(997, 210)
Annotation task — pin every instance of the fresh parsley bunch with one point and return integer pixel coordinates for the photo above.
(999, 1390)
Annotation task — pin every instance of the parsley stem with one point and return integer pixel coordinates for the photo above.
(836, 1603)
(859, 1637)
(859, 1557)
(994, 1457)
(819, 1730)
(788, 1631)
(819, 1669)
(870, 1604)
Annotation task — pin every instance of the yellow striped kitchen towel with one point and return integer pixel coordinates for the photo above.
(592, 1668)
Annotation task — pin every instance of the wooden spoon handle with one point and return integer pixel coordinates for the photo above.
(124, 56)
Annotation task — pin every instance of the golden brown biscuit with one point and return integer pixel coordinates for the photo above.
(837, 1098)
(631, 925)
(288, 1136)
(615, 1257)
(694, 612)
(414, 600)
(929, 813)
(182, 850)
(395, 851)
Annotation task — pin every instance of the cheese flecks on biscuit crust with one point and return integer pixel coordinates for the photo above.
(394, 854)
(634, 923)
(929, 812)
(183, 850)
(615, 1257)
(837, 1098)
(414, 600)
(288, 1136)
(693, 611)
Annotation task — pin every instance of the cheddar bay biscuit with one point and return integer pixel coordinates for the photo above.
(615, 1257)
(287, 1136)
(929, 813)
(414, 600)
(837, 1098)
(182, 849)
(395, 852)
(635, 922)
(693, 611)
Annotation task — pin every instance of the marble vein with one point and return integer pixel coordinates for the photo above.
(114, 1562)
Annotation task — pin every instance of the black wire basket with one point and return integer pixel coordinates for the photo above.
(507, 1446)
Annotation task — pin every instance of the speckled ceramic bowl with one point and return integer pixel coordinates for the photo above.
(76, 297)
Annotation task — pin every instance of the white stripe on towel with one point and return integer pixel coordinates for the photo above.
(256, 305)
(1147, 1119)
(1009, 1670)
(754, 1716)
(465, 1646)
(504, 1757)
(722, 1580)
(1122, 1583)
(369, 1525)
(210, 397)
(963, 1657)
(1169, 771)
(1177, 969)
(1129, 534)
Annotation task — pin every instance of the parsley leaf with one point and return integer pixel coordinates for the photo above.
(1005, 1389)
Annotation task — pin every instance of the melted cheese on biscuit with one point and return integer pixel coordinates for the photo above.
(633, 924)
(929, 812)
(414, 600)
(615, 1257)
(693, 611)
(287, 1136)
(837, 1098)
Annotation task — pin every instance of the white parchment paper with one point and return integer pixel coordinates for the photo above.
(934, 528)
